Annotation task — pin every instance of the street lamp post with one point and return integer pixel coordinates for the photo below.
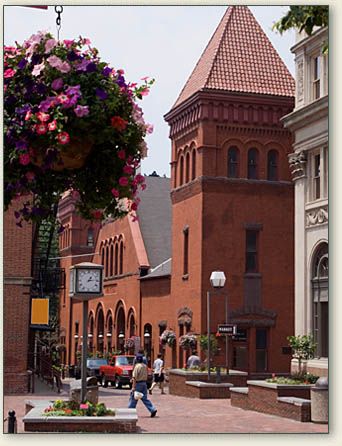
(217, 280)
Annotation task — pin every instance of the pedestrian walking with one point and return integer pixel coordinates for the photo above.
(139, 378)
(158, 374)
(140, 353)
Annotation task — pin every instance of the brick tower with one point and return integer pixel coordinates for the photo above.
(232, 198)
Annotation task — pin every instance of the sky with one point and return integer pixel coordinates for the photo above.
(162, 42)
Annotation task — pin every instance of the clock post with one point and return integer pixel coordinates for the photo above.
(86, 283)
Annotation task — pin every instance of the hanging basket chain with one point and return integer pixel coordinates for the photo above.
(58, 11)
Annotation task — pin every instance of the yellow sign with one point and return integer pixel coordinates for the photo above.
(40, 312)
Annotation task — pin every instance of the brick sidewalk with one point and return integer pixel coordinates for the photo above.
(180, 415)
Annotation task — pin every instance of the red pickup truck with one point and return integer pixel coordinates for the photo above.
(119, 372)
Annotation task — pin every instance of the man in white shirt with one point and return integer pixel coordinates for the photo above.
(158, 374)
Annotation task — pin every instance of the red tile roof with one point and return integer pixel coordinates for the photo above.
(240, 58)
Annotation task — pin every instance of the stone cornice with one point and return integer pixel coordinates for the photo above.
(307, 114)
(20, 281)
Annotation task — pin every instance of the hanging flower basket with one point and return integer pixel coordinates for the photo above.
(71, 122)
(168, 337)
(188, 341)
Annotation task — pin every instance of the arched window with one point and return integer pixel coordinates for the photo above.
(252, 168)
(193, 173)
(121, 257)
(181, 170)
(320, 297)
(272, 165)
(233, 162)
(187, 168)
(107, 262)
(111, 268)
(116, 259)
(109, 333)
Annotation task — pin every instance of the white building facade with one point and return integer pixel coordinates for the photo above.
(309, 167)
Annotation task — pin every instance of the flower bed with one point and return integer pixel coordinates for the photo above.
(62, 408)
(35, 420)
(70, 117)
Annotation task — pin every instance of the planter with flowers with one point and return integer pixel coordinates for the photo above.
(168, 337)
(71, 122)
(69, 416)
(188, 341)
(129, 344)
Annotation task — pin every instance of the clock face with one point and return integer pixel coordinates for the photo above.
(88, 281)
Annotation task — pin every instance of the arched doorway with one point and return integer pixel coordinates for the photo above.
(100, 330)
(120, 329)
(320, 300)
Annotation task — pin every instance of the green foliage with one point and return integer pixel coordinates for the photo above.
(303, 346)
(295, 379)
(204, 343)
(303, 18)
(62, 408)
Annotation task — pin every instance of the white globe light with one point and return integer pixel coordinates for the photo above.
(217, 279)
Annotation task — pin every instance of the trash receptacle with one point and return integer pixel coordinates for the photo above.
(320, 401)
(92, 393)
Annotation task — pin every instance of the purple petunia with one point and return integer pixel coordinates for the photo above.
(81, 110)
(57, 84)
(106, 71)
(22, 64)
(82, 66)
(73, 90)
(92, 67)
(101, 94)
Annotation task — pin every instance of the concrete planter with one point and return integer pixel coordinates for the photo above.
(124, 420)
(179, 383)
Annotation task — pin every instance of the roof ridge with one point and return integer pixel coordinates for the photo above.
(226, 17)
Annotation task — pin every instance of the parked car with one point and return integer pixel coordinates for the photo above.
(119, 372)
(93, 367)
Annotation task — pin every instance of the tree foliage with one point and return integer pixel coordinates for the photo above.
(303, 18)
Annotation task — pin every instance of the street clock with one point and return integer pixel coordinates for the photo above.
(86, 281)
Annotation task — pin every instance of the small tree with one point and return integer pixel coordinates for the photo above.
(303, 347)
(203, 340)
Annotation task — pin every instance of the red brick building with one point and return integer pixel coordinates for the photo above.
(231, 209)
(16, 304)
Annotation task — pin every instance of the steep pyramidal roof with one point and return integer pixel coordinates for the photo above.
(239, 58)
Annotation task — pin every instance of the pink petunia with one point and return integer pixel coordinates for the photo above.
(115, 193)
(52, 125)
(149, 128)
(41, 128)
(64, 67)
(28, 115)
(9, 73)
(54, 61)
(84, 406)
(37, 69)
(128, 169)
(63, 138)
(63, 98)
(144, 78)
(145, 91)
(68, 43)
(24, 159)
(123, 181)
(43, 117)
(51, 43)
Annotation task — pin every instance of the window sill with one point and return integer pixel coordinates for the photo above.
(185, 277)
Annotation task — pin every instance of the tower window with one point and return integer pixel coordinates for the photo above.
(186, 251)
(251, 251)
(233, 163)
(272, 165)
(252, 164)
